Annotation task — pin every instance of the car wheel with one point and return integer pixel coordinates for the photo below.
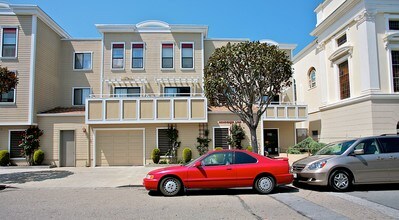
(340, 181)
(265, 184)
(170, 186)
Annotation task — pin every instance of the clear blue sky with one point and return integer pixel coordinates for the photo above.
(285, 21)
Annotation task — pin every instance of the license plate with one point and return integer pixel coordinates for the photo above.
(295, 175)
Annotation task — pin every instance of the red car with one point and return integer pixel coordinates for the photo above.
(222, 169)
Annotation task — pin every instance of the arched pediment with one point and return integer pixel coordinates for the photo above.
(347, 50)
(152, 24)
(394, 37)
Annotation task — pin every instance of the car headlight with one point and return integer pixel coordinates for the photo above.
(149, 176)
(317, 165)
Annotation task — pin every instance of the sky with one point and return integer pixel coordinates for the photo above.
(284, 21)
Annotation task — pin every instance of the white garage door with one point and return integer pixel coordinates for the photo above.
(119, 148)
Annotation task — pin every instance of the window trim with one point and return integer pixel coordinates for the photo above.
(389, 17)
(336, 71)
(73, 94)
(311, 69)
(15, 93)
(338, 35)
(213, 134)
(173, 55)
(157, 138)
(131, 55)
(166, 94)
(9, 143)
(127, 87)
(91, 60)
(390, 66)
(181, 55)
(124, 55)
(16, 41)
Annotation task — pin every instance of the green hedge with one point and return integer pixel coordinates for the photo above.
(4, 158)
(306, 146)
(38, 157)
(187, 154)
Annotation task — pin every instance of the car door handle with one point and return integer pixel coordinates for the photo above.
(380, 158)
(392, 158)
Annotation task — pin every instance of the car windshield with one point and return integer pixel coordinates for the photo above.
(336, 148)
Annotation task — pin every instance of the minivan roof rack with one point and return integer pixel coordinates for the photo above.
(389, 134)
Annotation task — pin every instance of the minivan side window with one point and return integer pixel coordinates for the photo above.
(391, 144)
(369, 146)
(243, 158)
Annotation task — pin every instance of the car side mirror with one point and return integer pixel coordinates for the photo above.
(358, 152)
(197, 164)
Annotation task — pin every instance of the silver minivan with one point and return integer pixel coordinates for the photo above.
(368, 160)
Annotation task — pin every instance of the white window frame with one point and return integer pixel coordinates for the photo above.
(389, 17)
(131, 55)
(124, 55)
(173, 55)
(16, 41)
(390, 48)
(181, 55)
(15, 93)
(337, 85)
(213, 134)
(91, 60)
(73, 94)
(157, 144)
(338, 35)
(9, 143)
(309, 78)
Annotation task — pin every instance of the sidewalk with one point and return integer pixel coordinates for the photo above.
(73, 177)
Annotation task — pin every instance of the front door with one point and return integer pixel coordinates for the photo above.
(271, 141)
(67, 149)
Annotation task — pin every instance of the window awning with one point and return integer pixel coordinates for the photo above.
(127, 81)
(177, 80)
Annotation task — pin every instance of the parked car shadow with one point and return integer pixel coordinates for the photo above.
(24, 177)
(373, 187)
(223, 192)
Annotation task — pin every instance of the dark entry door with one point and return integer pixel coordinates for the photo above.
(67, 149)
(271, 141)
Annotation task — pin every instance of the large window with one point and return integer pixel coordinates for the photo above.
(395, 70)
(390, 144)
(118, 56)
(243, 158)
(394, 25)
(80, 95)
(301, 134)
(8, 97)
(344, 84)
(82, 61)
(9, 42)
(274, 101)
(163, 141)
(220, 138)
(369, 146)
(177, 91)
(312, 78)
(187, 54)
(15, 139)
(137, 55)
(167, 56)
(127, 91)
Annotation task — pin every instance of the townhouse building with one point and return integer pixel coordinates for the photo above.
(109, 101)
(349, 75)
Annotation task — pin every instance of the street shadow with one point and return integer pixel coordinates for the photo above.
(228, 192)
(368, 187)
(36, 176)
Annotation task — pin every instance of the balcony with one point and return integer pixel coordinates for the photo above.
(286, 112)
(147, 108)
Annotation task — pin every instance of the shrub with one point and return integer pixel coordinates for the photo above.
(292, 150)
(203, 143)
(237, 134)
(316, 146)
(38, 157)
(306, 146)
(156, 155)
(4, 158)
(249, 148)
(187, 154)
(163, 162)
(218, 148)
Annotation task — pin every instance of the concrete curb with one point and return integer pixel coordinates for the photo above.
(28, 167)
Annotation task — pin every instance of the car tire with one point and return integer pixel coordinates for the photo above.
(340, 181)
(170, 186)
(265, 184)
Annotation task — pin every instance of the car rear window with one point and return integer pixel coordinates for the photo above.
(243, 158)
(390, 145)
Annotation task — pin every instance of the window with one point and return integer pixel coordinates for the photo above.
(167, 56)
(127, 91)
(187, 54)
(177, 91)
(394, 25)
(9, 42)
(118, 55)
(82, 61)
(341, 40)
(315, 135)
(137, 55)
(275, 100)
(344, 85)
(15, 138)
(163, 141)
(220, 138)
(390, 145)
(243, 158)
(80, 95)
(395, 70)
(397, 128)
(8, 97)
(312, 78)
(218, 159)
(369, 146)
(301, 134)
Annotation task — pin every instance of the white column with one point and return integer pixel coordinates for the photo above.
(321, 72)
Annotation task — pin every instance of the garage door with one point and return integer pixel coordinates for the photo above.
(119, 148)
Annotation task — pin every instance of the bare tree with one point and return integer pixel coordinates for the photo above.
(244, 77)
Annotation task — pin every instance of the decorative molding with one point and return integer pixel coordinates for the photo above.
(394, 37)
(366, 15)
(321, 45)
(347, 50)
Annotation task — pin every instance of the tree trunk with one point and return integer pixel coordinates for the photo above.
(254, 139)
